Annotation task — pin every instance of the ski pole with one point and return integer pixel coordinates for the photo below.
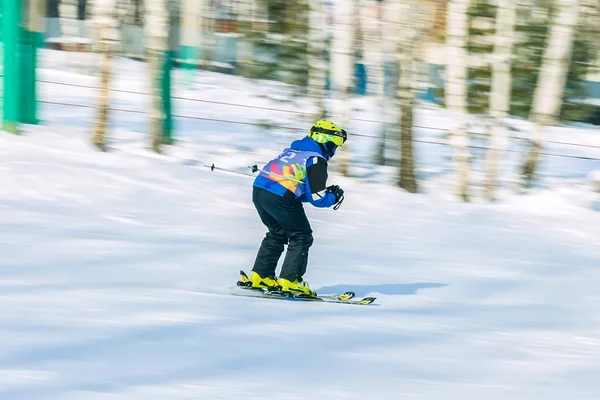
(254, 168)
(212, 168)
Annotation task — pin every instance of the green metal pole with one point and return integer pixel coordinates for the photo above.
(167, 137)
(10, 25)
(26, 77)
(32, 38)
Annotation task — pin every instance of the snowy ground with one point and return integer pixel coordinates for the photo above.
(115, 269)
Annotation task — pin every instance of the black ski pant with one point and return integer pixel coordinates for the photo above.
(287, 224)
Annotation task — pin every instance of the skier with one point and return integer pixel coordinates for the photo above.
(297, 175)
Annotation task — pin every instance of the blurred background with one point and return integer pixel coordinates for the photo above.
(119, 248)
(483, 79)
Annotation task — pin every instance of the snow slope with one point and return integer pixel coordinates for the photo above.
(115, 271)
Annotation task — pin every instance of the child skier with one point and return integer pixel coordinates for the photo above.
(297, 175)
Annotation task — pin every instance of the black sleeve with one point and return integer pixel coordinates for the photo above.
(317, 175)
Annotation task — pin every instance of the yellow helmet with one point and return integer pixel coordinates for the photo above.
(329, 135)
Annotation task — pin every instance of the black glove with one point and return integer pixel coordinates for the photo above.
(338, 192)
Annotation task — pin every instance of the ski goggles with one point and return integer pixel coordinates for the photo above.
(323, 136)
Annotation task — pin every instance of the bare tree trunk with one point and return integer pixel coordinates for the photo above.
(456, 88)
(500, 91)
(358, 43)
(377, 78)
(158, 30)
(406, 52)
(342, 63)
(157, 116)
(105, 36)
(103, 100)
(316, 62)
(589, 14)
(548, 95)
(81, 9)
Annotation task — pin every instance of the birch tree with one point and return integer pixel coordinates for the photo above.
(105, 35)
(405, 99)
(456, 88)
(157, 23)
(379, 49)
(548, 95)
(342, 62)
(500, 91)
(317, 35)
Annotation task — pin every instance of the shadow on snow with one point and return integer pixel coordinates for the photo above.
(386, 289)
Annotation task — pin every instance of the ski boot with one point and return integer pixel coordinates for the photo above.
(296, 288)
(268, 282)
(257, 282)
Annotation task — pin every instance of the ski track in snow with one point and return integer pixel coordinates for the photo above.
(115, 272)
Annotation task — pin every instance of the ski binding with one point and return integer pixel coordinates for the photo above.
(343, 298)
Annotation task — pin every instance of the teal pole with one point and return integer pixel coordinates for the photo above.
(167, 137)
(10, 26)
(31, 40)
(27, 56)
